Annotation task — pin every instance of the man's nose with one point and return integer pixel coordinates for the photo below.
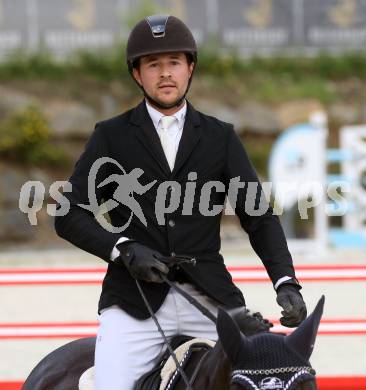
(165, 71)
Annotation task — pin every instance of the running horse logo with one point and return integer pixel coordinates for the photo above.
(178, 8)
(128, 184)
(260, 14)
(343, 14)
(82, 17)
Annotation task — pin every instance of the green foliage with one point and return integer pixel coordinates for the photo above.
(39, 65)
(24, 138)
(110, 63)
(276, 89)
(270, 80)
(104, 65)
(322, 66)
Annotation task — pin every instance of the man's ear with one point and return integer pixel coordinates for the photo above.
(136, 75)
(191, 67)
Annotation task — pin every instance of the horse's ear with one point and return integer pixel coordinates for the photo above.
(302, 339)
(229, 335)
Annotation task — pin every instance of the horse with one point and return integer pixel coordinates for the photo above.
(246, 356)
(261, 360)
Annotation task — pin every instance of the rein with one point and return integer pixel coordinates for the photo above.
(190, 299)
(236, 375)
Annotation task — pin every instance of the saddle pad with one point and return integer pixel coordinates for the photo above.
(169, 367)
(86, 381)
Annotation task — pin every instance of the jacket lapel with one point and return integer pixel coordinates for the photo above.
(190, 138)
(148, 136)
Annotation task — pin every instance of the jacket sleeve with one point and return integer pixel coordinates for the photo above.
(262, 226)
(79, 225)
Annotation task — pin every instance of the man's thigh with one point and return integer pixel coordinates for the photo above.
(191, 321)
(126, 348)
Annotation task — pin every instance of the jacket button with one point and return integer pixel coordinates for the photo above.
(171, 223)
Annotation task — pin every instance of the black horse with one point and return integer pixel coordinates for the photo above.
(247, 356)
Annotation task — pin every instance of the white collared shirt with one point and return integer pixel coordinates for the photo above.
(176, 130)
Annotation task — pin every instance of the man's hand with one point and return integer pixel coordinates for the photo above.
(248, 322)
(294, 308)
(141, 261)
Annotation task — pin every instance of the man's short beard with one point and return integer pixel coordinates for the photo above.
(164, 106)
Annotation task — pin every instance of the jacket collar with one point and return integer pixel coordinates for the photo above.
(156, 115)
(150, 139)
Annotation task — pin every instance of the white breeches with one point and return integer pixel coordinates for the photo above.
(126, 347)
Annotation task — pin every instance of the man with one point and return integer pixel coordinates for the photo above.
(166, 138)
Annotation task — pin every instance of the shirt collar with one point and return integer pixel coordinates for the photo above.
(157, 115)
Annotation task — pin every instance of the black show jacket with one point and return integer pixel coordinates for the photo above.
(208, 147)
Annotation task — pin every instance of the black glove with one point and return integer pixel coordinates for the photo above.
(294, 308)
(248, 322)
(141, 261)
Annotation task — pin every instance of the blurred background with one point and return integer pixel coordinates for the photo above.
(289, 74)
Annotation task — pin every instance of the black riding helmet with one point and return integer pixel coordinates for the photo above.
(160, 34)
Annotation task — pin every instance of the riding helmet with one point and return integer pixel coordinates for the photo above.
(159, 34)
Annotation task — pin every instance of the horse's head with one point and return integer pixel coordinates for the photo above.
(268, 361)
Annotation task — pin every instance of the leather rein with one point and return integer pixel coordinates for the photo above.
(174, 261)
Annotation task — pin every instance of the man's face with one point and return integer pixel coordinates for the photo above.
(164, 77)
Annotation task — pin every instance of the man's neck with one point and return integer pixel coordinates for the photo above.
(168, 111)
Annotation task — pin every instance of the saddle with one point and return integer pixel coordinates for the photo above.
(164, 376)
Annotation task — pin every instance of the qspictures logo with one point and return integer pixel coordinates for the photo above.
(248, 197)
